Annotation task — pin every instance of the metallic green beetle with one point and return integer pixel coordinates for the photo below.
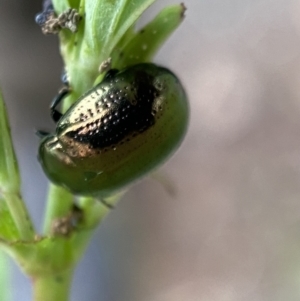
(117, 132)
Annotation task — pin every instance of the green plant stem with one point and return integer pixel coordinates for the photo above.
(52, 287)
(20, 215)
(59, 204)
(5, 277)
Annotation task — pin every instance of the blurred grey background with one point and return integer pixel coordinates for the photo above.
(232, 230)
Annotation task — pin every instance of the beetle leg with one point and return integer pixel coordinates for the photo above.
(111, 73)
(106, 204)
(56, 115)
(41, 133)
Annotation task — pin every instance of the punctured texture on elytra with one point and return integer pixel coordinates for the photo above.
(117, 132)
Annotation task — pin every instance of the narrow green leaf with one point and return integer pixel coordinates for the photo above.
(62, 5)
(131, 12)
(144, 44)
(10, 178)
(74, 3)
(107, 21)
(8, 229)
(5, 284)
(9, 172)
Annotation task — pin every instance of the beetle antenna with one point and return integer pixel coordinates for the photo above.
(41, 134)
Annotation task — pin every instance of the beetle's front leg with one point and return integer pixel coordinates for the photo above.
(56, 115)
